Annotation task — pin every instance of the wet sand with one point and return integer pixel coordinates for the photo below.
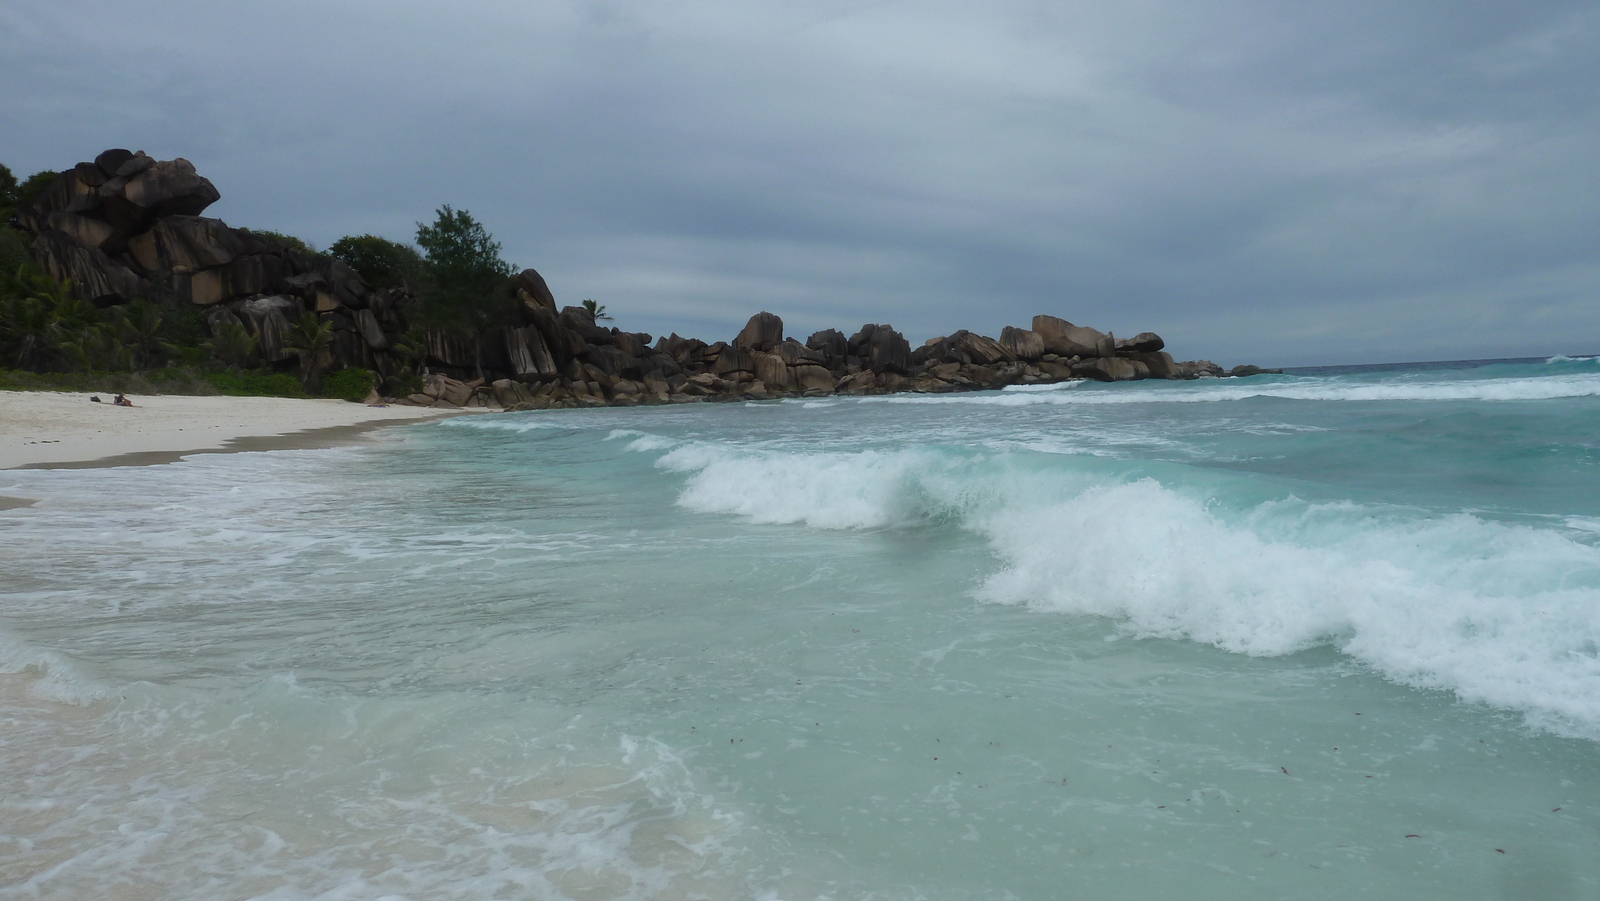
(62, 430)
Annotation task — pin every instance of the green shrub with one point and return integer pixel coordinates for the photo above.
(381, 262)
(349, 384)
(286, 242)
(256, 384)
(405, 384)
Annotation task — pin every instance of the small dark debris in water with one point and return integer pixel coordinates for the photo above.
(1554, 809)
(1358, 714)
(1285, 770)
(1369, 777)
(1500, 850)
(1161, 807)
(1413, 835)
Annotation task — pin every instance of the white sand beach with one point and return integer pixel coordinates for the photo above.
(51, 428)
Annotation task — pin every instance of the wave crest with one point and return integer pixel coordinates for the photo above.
(1507, 615)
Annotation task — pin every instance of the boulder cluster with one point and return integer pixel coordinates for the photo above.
(127, 226)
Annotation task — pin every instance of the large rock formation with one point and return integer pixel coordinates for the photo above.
(128, 226)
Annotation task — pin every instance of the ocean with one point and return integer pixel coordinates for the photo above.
(1329, 634)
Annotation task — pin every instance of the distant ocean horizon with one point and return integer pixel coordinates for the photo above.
(1331, 633)
(1426, 365)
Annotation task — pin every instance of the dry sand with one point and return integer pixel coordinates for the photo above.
(62, 429)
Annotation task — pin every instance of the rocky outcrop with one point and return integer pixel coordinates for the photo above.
(127, 226)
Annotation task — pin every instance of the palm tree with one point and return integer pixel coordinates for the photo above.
(233, 345)
(412, 349)
(597, 310)
(94, 344)
(139, 326)
(310, 339)
(41, 315)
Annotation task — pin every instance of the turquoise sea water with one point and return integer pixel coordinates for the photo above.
(1333, 634)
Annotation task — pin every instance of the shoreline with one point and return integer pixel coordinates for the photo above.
(65, 430)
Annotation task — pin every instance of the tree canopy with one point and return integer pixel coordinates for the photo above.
(288, 242)
(381, 262)
(8, 188)
(468, 279)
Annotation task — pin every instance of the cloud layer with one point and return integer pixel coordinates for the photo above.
(1277, 183)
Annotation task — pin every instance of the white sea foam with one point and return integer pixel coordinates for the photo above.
(515, 422)
(45, 674)
(302, 797)
(1501, 614)
(1318, 389)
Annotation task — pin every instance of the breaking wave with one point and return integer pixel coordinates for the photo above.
(1502, 614)
(1286, 387)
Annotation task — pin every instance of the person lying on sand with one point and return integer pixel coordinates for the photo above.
(122, 401)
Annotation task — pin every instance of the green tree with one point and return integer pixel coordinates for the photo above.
(287, 242)
(91, 347)
(469, 291)
(39, 316)
(411, 348)
(597, 310)
(381, 262)
(140, 328)
(233, 345)
(8, 188)
(34, 184)
(13, 249)
(310, 338)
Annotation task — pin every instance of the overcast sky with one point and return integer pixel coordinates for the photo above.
(1285, 183)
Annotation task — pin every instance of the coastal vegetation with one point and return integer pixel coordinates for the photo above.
(110, 277)
(53, 338)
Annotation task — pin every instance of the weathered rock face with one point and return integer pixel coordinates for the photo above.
(881, 348)
(128, 192)
(269, 318)
(531, 288)
(764, 331)
(773, 372)
(1067, 340)
(831, 342)
(1022, 344)
(733, 359)
(95, 276)
(1142, 343)
(185, 244)
(1108, 369)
